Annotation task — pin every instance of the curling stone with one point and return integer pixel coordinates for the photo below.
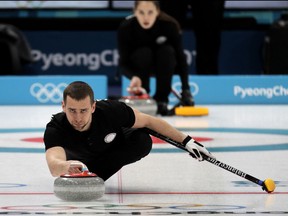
(85, 186)
(144, 103)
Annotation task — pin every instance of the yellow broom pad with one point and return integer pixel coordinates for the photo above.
(191, 111)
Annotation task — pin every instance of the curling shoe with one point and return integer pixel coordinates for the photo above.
(162, 108)
(187, 98)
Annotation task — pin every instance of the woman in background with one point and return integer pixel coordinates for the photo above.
(150, 43)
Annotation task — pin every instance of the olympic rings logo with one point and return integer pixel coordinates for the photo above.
(48, 92)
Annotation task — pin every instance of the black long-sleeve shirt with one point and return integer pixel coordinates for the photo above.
(108, 120)
(166, 30)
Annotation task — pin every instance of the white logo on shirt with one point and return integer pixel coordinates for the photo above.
(161, 40)
(109, 137)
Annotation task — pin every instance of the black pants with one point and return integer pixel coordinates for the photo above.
(159, 62)
(137, 144)
(207, 23)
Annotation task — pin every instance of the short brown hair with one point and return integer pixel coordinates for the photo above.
(78, 90)
(156, 3)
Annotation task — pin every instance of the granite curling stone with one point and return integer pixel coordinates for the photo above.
(85, 186)
(144, 103)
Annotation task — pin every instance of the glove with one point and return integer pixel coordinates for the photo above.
(196, 149)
